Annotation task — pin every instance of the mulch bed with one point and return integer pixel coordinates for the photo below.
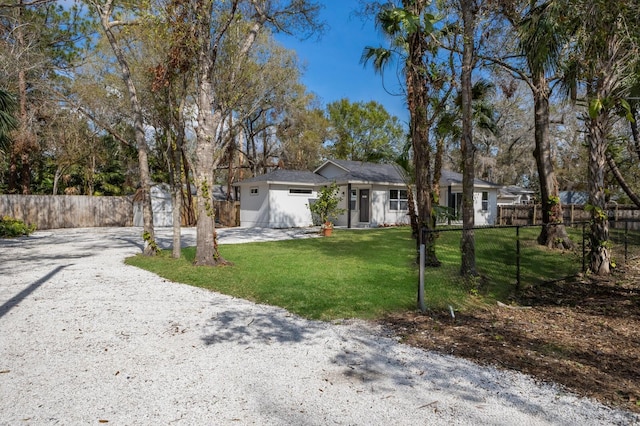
(583, 334)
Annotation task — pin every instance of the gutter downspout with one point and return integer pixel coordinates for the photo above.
(349, 205)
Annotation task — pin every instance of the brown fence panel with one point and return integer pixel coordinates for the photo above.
(531, 214)
(227, 212)
(68, 211)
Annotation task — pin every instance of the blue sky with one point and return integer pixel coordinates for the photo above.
(333, 68)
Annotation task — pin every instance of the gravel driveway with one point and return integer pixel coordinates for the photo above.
(85, 339)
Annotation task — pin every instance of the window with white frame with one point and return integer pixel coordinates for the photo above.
(398, 199)
(485, 201)
(253, 191)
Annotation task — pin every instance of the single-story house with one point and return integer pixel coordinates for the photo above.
(372, 195)
(574, 197)
(510, 195)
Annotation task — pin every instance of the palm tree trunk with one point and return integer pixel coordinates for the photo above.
(600, 257)
(417, 100)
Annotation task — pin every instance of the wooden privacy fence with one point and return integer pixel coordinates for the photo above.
(81, 211)
(227, 212)
(531, 214)
(68, 211)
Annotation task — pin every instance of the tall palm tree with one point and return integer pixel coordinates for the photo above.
(608, 46)
(408, 29)
(542, 34)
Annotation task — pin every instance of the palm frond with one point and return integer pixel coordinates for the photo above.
(379, 56)
(8, 121)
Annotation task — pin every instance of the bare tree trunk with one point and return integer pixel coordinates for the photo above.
(25, 141)
(12, 185)
(189, 211)
(150, 246)
(209, 121)
(56, 180)
(231, 149)
(622, 181)
(175, 178)
(467, 243)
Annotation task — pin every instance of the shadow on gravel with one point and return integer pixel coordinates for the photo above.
(244, 327)
(371, 362)
(9, 304)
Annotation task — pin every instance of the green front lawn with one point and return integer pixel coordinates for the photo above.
(361, 274)
(355, 273)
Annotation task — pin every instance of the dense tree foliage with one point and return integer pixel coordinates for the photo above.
(363, 132)
(537, 93)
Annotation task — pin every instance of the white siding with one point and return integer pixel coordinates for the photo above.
(343, 204)
(254, 210)
(485, 217)
(331, 170)
(481, 217)
(379, 208)
(289, 210)
(379, 197)
(275, 207)
(384, 214)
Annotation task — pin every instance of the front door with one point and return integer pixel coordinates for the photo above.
(364, 205)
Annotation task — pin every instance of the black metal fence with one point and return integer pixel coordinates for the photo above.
(509, 258)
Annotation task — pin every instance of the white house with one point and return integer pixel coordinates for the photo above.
(485, 198)
(510, 195)
(372, 195)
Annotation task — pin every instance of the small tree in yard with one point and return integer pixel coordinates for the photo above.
(326, 206)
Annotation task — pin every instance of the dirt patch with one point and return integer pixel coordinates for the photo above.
(583, 334)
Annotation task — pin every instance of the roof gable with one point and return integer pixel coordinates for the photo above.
(345, 171)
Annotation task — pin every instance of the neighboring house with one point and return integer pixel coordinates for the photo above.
(372, 195)
(485, 198)
(574, 197)
(510, 195)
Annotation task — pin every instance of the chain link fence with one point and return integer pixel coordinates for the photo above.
(509, 258)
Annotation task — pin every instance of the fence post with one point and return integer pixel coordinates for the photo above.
(626, 240)
(421, 304)
(517, 258)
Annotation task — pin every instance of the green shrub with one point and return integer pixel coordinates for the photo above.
(10, 227)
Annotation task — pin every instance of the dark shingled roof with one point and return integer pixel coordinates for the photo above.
(288, 176)
(354, 171)
(449, 178)
(368, 172)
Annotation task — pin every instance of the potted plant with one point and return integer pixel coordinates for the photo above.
(326, 207)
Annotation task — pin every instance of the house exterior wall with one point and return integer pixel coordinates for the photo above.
(383, 214)
(485, 217)
(379, 207)
(290, 210)
(481, 217)
(254, 211)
